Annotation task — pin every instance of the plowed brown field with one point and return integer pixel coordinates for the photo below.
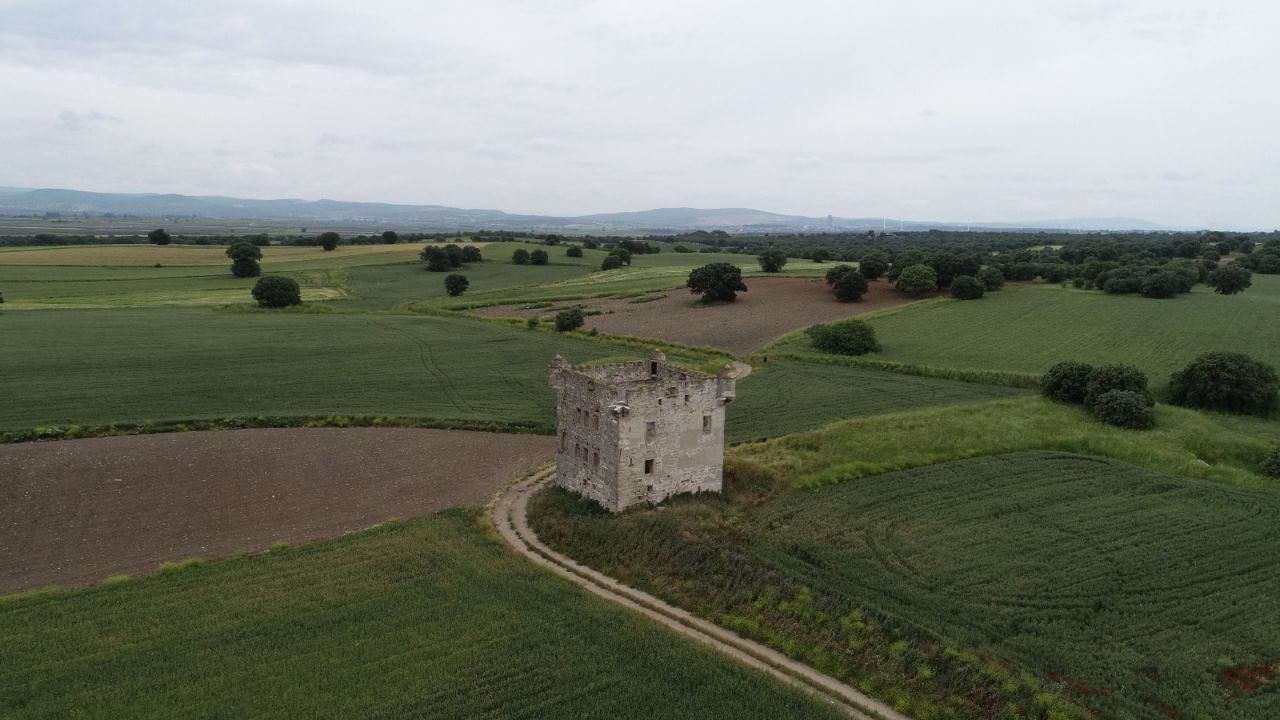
(77, 511)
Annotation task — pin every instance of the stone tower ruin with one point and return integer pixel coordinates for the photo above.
(639, 432)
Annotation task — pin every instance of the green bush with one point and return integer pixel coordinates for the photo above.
(539, 257)
(277, 291)
(471, 254)
(1271, 465)
(329, 240)
(569, 319)
(873, 265)
(1163, 284)
(612, 261)
(991, 278)
(573, 251)
(847, 337)
(1226, 382)
(437, 259)
(456, 284)
(1232, 279)
(1106, 378)
(1067, 382)
(850, 286)
(1124, 408)
(159, 236)
(772, 261)
(918, 280)
(717, 281)
(245, 267)
(967, 287)
(836, 273)
(520, 257)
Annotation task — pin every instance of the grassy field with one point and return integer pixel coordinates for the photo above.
(1131, 590)
(426, 619)
(1027, 330)
(787, 397)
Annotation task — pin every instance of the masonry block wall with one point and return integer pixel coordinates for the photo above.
(639, 432)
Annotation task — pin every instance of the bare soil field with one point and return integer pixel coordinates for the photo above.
(771, 308)
(78, 511)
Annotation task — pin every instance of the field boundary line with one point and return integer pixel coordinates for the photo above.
(510, 518)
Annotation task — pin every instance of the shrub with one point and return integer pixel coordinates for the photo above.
(623, 254)
(918, 280)
(454, 253)
(772, 261)
(836, 272)
(847, 337)
(520, 257)
(241, 249)
(276, 291)
(820, 255)
(991, 278)
(245, 267)
(570, 319)
(159, 236)
(1271, 465)
(1067, 381)
(1226, 382)
(1124, 408)
(967, 287)
(456, 284)
(612, 261)
(873, 265)
(437, 259)
(1162, 284)
(390, 237)
(573, 251)
(471, 254)
(329, 240)
(1106, 378)
(539, 257)
(1230, 280)
(717, 281)
(681, 249)
(1022, 272)
(850, 287)
(532, 323)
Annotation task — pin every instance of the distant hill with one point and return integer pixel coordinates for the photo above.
(20, 200)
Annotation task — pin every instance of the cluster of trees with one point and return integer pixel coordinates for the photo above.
(449, 257)
(524, 257)
(847, 282)
(1115, 394)
(846, 337)
(616, 258)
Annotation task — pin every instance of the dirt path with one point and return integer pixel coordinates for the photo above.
(771, 308)
(77, 511)
(510, 509)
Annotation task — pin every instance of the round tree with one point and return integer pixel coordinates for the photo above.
(1163, 284)
(1124, 408)
(277, 291)
(245, 267)
(612, 261)
(966, 287)
(772, 261)
(437, 259)
(850, 286)
(520, 257)
(573, 251)
(244, 259)
(1232, 279)
(456, 284)
(569, 319)
(329, 240)
(1106, 378)
(159, 236)
(717, 281)
(1226, 382)
(991, 278)
(1067, 381)
(847, 337)
(539, 257)
(471, 254)
(390, 237)
(918, 280)
(873, 265)
(836, 273)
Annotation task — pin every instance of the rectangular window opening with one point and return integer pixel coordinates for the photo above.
(650, 431)
(706, 423)
(648, 467)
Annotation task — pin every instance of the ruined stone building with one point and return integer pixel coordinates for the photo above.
(639, 432)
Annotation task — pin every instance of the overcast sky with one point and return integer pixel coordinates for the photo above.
(995, 110)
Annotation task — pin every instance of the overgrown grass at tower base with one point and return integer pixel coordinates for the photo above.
(425, 619)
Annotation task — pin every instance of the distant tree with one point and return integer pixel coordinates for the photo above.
(436, 258)
(569, 319)
(772, 261)
(552, 240)
(244, 259)
(1022, 272)
(850, 286)
(717, 281)
(918, 280)
(966, 287)
(820, 255)
(1268, 263)
(277, 291)
(1226, 382)
(456, 284)
(1232, 279)
(1106, 378)
(903, 261)
(390, 237)
(455, 255)
(520, 257)
(612, 261)
(245, 267)
(329, 240)
(159, 236)
(1162, 284)
(539, 257)
(623, 254)
(873, 265)
(1124, 408)
(1067, 382)
(836, 272)
(847, 337)
(991, 278)
(573, 251)
(681, 249)
(471, 254)
(590, 244)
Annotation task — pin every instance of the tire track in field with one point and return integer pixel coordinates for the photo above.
(426, 358)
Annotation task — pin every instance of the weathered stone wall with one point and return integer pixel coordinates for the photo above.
(639, 432)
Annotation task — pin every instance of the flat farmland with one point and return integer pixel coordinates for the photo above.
(1028, 329)
(77, 511)
(772, 307)
(430, 618)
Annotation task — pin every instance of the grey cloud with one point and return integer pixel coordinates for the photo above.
(70, 120)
